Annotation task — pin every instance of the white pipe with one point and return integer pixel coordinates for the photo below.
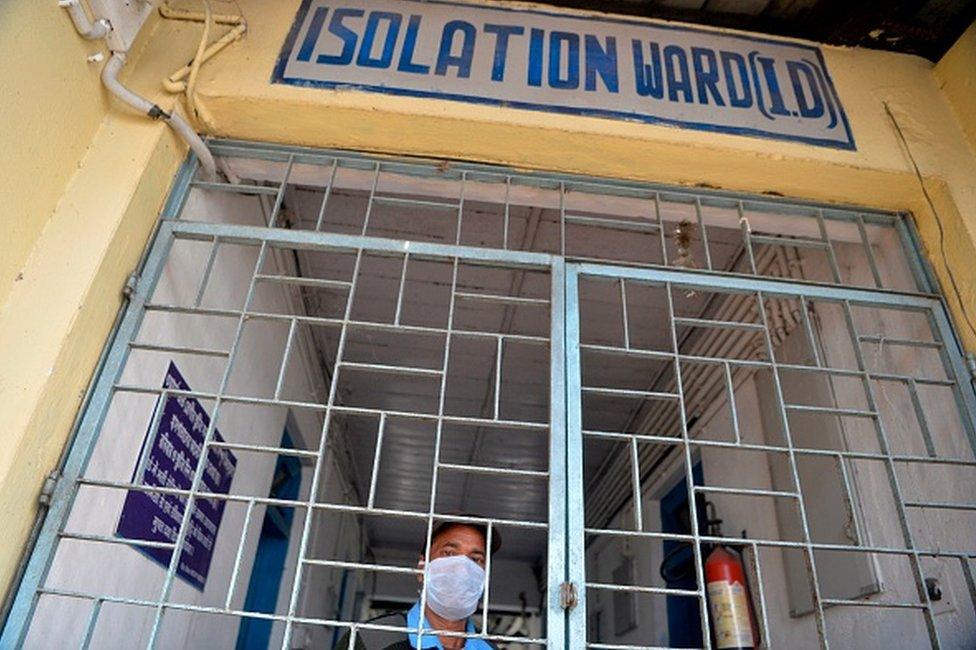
(110, 74)
(85, 27)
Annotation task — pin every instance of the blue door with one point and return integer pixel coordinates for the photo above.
(678, 569)
(269, 560)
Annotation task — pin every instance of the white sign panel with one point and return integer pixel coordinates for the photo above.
(644, 71)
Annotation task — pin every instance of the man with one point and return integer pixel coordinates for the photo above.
(455, 583)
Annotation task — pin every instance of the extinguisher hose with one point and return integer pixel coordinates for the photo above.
(672, 571)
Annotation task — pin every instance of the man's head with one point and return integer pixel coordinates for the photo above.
(456, 574)
(458, 538)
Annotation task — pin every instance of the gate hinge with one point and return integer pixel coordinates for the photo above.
(47, 489)
(568, 597)
(131, 283)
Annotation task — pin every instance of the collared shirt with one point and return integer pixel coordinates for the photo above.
(431, 640)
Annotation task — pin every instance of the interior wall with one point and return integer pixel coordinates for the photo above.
(122, 570)
(85, 183)
(763, 518)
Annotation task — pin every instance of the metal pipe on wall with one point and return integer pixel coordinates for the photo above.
(100, 29)
(110, 78)
(85, 27)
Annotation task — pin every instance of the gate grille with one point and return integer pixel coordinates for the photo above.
(403, 321)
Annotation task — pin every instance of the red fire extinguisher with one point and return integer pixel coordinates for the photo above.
(732, 620)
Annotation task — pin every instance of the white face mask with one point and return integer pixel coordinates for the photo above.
(454, 586)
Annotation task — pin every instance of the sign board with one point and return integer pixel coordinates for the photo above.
(653, 72)
(170, 459)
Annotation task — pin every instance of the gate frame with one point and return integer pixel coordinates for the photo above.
(933, 306)
(565, 540)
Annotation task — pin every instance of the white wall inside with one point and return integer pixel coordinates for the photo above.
(121, 570)
(873, 520)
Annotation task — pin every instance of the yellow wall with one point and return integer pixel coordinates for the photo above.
(51, 108)
(88, 216)
(956, 73)
(83, 181)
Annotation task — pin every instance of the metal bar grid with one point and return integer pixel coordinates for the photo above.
(565, 525)
(434, 187)
(687, 444)
(726, 365)
(327, 410)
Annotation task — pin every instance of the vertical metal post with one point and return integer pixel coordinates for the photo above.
(869, 251)
(575, 552)
(326, 195)
(624, 312)
(703, 229)
(885, 448)
(200, 469)
(747, 238)
(280, 196)
(689, 471)
(438, 437)
(320, 457)
(831, 257)
(662, 236)
(556, 618)
(795, 476)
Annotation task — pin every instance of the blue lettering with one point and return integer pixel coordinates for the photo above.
(535, 56)
(601, 61)
(313, 33)
(346, 35)
(556, 79)
(814, 105)
(462, 61)
(827, 92)
(706, 80)
(743, 100)
(648, 76)
(502, 33)
(777, 107)
(365, 58)
(675, 61)
(409, 45)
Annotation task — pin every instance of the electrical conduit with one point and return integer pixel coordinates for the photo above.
(88, 30)
(110, 78)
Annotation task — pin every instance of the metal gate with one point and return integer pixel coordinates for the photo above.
(685, 369)
(537, 392)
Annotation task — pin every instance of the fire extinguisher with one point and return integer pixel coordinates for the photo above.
(733, 622)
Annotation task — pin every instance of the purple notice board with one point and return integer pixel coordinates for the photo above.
(170, 460)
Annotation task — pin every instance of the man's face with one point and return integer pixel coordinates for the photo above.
(459, 539)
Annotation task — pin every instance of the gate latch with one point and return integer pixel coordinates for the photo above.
(568, 598)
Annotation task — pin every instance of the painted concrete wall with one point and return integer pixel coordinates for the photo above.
(955, 75)
(42, 148)
(81, 224)
(84, 183)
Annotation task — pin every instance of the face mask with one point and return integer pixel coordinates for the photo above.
(454, 585)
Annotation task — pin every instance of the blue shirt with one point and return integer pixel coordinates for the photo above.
(431, 640)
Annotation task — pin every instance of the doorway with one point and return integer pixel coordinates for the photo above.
(272, 551)
(525, 352)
